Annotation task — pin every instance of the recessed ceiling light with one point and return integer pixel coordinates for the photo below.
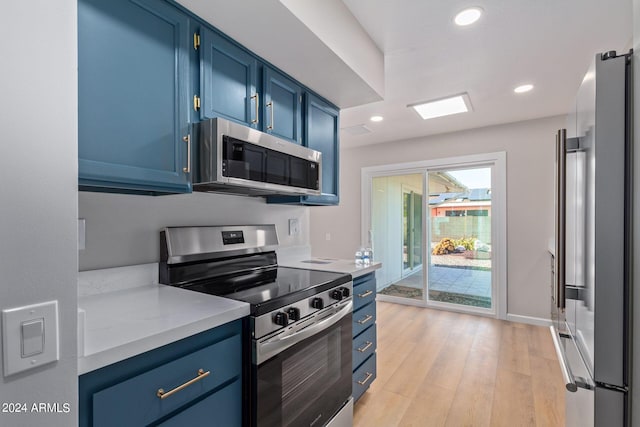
(376, 118)
(468, 16)
(523, 88)
(443, 107)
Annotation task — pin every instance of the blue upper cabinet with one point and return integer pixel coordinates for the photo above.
(227, 80)
(321, 127)
(321, 130)
(133, 96)
(282, 109)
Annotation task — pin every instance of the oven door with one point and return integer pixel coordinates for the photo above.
(308, 382)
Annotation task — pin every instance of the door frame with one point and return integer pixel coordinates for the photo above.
(498, 162)
(410, 190)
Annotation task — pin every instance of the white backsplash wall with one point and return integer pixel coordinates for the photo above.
(123, 229)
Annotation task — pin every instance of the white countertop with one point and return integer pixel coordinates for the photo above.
(125, 323)
(335, 265)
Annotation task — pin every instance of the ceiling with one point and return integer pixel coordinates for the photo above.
(548, 43)
(375, 57)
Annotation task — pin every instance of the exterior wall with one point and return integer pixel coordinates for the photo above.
(38, 212)
(530, 159)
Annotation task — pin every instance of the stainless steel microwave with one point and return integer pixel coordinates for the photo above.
(238, 159)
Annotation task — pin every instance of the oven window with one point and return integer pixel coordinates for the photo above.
(302, 375)
(307, 383)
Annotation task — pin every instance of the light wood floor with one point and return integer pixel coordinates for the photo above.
(438, 368)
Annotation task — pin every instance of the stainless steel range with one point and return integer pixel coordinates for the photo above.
(298, 336)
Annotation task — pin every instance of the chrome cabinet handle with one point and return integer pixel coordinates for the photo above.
(366, 347)
(164, 394)
(366, 379)
(257, 110)
(366, 319)
(365, 294)
(270, 105)
(187, 139)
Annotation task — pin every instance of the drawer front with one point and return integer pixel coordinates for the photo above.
(364, 291)
(135, 401)
(364, 376)
(364, 345)
(222, 408)
(363, 318)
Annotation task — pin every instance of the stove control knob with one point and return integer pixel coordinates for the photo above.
(281, 319)
(337, 294)
(294, 314)
(317, 303)
(345, 292)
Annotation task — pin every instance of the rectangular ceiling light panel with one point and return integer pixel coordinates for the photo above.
(443, 107)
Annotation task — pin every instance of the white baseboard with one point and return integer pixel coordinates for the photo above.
(538, 321)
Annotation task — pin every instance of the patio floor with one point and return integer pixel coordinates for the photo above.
(467, 286)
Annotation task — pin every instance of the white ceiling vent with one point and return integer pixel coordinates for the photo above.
(356, 130)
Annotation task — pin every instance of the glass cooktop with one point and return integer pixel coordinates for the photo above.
(270, 289)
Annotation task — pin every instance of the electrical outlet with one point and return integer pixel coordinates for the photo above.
(294, 226)
(327, 236)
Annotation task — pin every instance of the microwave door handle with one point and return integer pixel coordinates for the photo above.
(561, 218)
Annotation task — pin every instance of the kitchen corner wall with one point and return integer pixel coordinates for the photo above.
(530, 148)
(39, 193)
(124, 229)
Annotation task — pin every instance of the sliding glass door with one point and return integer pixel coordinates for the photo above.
(397, 233)
(439, 232)
(460, 237)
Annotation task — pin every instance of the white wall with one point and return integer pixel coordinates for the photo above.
(124, 229)
(530, 199)
(38, 164)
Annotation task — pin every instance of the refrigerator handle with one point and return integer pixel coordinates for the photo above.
(569, 381)
(561, 217)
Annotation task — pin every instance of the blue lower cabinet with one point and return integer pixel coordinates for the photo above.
(222, 408)
(364, 345)
(364, 318)
(363, 377)
(364, 333)
(146, 389)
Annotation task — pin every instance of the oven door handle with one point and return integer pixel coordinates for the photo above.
(270, 348)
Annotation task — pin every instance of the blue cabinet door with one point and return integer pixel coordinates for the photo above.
(282, 110)
(227, 80)
(321, 131)
(133, 93)
(321, 127)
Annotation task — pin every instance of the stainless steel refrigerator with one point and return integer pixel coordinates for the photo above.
(591, 301)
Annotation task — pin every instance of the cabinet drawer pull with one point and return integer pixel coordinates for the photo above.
(187, 139)
(366, 379)
(164, 394)
(365, 294)
(257, 98)
(366, 347)
(270, 105)
(366, 319)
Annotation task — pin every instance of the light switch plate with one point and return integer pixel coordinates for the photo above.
(13, 338)
(294, 226)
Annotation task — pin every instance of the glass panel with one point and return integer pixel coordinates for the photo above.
(460, 237)
(396, 209)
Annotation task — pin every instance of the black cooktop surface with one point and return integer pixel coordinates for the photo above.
(272, 288)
